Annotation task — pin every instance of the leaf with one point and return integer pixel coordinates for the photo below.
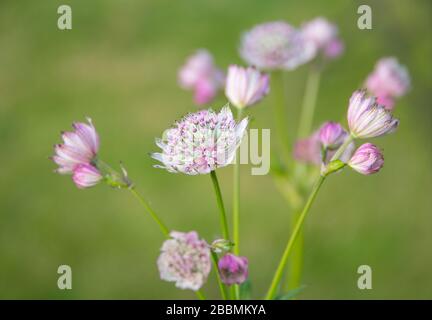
(246, 290)
(291, 294)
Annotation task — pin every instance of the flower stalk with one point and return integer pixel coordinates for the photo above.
(220, 203)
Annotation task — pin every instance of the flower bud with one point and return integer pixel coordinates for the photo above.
(245, 86)
(367, 159)
(221, 245)
(366, 119)
(86, 175)
(332, 135)
(233, 269)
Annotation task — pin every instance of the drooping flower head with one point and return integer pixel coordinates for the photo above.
(367, 119)
(275, 45)
(200, 142)
(185, 260)
(201, 75)
(86, 175)
(367, 159)
(233, 269)
(388, 81)
(332, 135)
(79, 147)
(245, 86)
(323, 35)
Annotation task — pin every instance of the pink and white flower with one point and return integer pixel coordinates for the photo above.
(323, 35)
(79, 147)
(275, 45)
(367, 119)
(86, 176)
(332, 135)
(367, 159)
(201, 75)
(185, 260)
(245, 86)
(233, 269)
(388, 81)
(201, 142)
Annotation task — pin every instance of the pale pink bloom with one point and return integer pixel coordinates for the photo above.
(245, 86)
(233, 269)
(86, 175)
(323, 35)
(275, 45)
(332, 135)
(79, 147)
(185, 260)
(201, 142)
(367, 159)
(366, 119)
(201, 75)
(389, 80)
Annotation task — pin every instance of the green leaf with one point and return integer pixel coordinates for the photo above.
(291, 294)
(246, 290)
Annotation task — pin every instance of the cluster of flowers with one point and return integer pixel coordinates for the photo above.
(206, 140)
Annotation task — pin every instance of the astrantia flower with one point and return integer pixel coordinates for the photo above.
(185, 260)
(367, 159)
(79, 147)
(275, 45)
(308, 150)
(200, 142)
(86, 175)
(202, 76)
(332, 135)
(323, 35)
(389, 80)
(366, 119)
(245, 86)
(233, 269)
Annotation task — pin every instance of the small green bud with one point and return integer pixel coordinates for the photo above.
(333, 166)
(221, 245)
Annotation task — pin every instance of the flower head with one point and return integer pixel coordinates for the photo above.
(332, 135)
(233, 269)
(275, 45)
(366, 119)
(323, 35)
(245, 86)
(389, 80)
(79, 147)
(201, 142)
(367, 159)
(86, 175)
(308, 150)
(202, 76)
(185, 260)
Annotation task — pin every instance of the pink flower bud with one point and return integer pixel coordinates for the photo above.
(367, 159)
(233, 269)
(332, 135)
(85, 176)
(245, 86)
(366, 119)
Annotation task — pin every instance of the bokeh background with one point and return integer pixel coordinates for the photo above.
(119, 66)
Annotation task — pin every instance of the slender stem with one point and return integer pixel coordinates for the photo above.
(296, 261)
(280, 115)
(342, 148)
(279, 271)
(309, 102)
(200, 295)
(223, 219)
(153, 214)
(222, 286)
(236, 198)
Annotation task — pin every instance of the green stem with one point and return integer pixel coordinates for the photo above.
(280, 115)
(223, 219)
(342, 148)
(309, 102)
(200, 295)
(281, 267)
(153, 214)
(296, 261)
(236, 198)
(222, 286)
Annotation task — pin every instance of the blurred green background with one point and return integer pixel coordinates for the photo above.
(119, 66)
